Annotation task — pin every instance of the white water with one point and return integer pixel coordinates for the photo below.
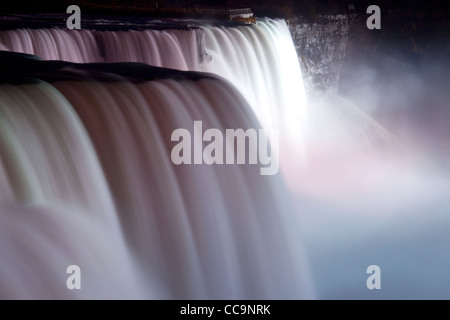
(262, 63)
(93, 159)
(89, 181)
(259, 60)
(57, 209)
(171, 49)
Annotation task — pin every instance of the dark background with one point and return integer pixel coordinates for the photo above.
(272, 8)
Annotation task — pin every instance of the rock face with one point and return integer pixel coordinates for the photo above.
(321, 47)
(324, 48)
(396, 75)
(333, 43)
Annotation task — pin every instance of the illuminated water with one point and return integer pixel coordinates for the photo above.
(86, 176)
(86, 151)
(260, 60)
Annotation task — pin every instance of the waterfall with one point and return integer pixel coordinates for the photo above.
(259, 60)
(262, 63)
(55, 207)
(170, 48)
(88, 180)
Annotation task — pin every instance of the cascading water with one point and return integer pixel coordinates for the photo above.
(56, 208)
(85, 165)
(86, 176)
(262, 63)
(176, 49)
(259, 60)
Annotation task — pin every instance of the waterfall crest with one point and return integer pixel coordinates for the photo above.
(259, 60)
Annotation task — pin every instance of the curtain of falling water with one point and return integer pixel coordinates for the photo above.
(177, 49)
(196, 231)
(262, 63)
(208, 231)
(260, 60)
(55, 206)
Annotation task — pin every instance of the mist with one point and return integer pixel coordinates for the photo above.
(376, 187)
